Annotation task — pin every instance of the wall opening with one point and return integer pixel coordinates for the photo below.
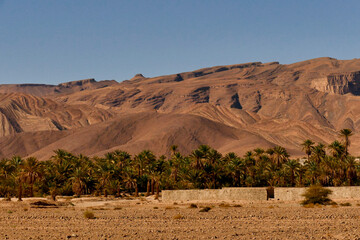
(270, 193)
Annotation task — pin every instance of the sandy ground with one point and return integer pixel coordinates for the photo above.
(150, 219)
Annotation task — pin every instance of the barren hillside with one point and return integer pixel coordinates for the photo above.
(232, 108)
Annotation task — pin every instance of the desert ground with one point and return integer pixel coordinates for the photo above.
(146, 218)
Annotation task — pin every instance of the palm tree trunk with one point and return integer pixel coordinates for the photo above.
(20, 192)
(53, 194)
(214, 181)
(31, 190)
(136, 190)
(157, 190)
(175, 174)
(152, 186)
(148, 188)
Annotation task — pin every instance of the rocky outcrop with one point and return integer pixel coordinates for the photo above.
(76, 83)
(339, 83)
(138, 77)
(41, 90)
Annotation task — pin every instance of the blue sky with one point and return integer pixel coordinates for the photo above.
(56, 41)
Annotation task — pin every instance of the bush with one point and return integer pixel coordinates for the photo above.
(193, 205)
(178, 216)
(317, 195)
(205, 209)
(89, 215)
(224, 205)
(347, 204)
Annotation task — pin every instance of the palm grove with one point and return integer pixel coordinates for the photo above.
(120, 174)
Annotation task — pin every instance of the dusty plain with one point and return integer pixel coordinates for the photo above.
(146, 218)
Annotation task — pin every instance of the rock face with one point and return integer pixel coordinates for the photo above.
(232, 108)
(25, 113)
(339, 83)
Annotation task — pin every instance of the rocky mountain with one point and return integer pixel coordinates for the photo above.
(232, 108)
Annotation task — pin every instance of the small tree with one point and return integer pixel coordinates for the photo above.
(317, 194)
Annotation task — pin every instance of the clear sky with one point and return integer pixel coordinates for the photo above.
(53, 41)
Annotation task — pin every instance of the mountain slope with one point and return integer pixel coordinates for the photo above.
(233, 108)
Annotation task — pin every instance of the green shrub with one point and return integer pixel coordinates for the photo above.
(205, 209)
(317, 195)
(89, 215)
(347, 204)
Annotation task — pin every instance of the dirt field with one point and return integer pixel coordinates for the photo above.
(149, 219)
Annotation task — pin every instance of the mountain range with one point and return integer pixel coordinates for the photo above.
(231, 108)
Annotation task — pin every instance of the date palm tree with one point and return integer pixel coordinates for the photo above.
(104, 172)
(78, 179)
(319, 152)
(197, 156)
(175, 163)
(350, 168)
(292, 166)
(30, 172)
(307, 147)
(173, 149)
(130, 180)
(236, 168)
(337, 149)
(280, 155)
(346, 134)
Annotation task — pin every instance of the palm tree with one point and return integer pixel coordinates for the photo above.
(350, 168)
(319, 152)
(159, 168)
(146, 159)
(78, 179)
(173, 149)
(197, 155)
(236, 168)
(61, 155)
(346, 134)
(280, 155)
(307, 145)
(258, 153)
(269, 172)
(292, 166)
(7, 180)
(204, 149)
(213, 156)
(30, 172)
(300, 173)
(337, 149)
(313, 171)
(175, 162)
(104, 172)
(130, 180)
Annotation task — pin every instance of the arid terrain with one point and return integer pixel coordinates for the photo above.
(149, 219)
(231, 108)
